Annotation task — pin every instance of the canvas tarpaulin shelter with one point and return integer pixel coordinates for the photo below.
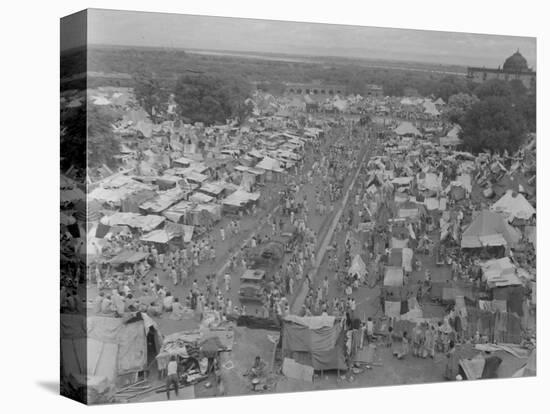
(323, 347)
(145, 223)
(406, 128)
(489, 229)
(393, 276)
(199, 197)
(514, 205)
(103, 347)
(169, 232)
(128, 256)
(530, 367)
(499, 273)
(163, 200)
(358, 266)
(429, 181)
(116, 189)
(240, 198)
(269, 164)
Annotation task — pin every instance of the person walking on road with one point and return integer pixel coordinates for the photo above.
(172, 377)
(227, 279)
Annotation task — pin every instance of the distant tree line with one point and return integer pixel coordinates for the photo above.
(206, 98)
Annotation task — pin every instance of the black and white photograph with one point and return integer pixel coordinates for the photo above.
(256, 206)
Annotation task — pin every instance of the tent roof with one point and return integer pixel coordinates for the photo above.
(500, 272)
(514, 206)
(128, 256)
(240, 197)
(357, 265)
(489, 228)
(406, 128)
(393, 276)
(146, 223)
(270, 164)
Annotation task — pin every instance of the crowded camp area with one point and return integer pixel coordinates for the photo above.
(322, 243)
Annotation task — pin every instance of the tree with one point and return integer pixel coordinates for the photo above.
(88, 138)
(493, 88)
(73, 138)
(527, 106)
(102, 144)
(150, 95)
(212, 99)
(518, 88)
(458, 105)
(494, 124)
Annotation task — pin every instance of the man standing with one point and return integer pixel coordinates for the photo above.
(227, 279)
(172, 376)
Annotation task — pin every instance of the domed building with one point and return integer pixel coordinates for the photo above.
(514, 67)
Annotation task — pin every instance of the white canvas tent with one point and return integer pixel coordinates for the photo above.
(489, 229)
(514, 205)
(270, 164)
(393, 276)
(406, 128)
(358, 267)
(499, 273)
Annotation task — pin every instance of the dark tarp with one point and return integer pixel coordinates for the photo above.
(491, 366)
(325, 345)
(255, 322)
(102, 230)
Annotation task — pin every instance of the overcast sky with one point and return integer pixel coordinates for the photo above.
(218, 33)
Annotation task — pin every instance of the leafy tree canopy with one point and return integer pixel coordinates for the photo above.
(493, 88)
(150, 95)
(87, 133)
(495, 124)
(212, 99)
(458, 105)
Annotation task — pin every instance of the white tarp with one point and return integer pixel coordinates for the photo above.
(393, 276)
(514, 206)
(500, 272)
(240, 198)
(406, 128)
(358, 266)
(145, 223)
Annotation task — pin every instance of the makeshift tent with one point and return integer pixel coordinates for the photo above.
(393, 276)
(516, 182)
(106, 349)
(145, 223)
(499, 273)
(189, 344)
(128, 256)
(406, 128)
(163, 200)
(116, 189)
(317, 341)
(87, 212)
(269, 164)
(489, 229)
(429, 181)
(450, 141)
(430, 108)
(530, 367)
(240, 198)
(402, 181)
(169, 232)
(358, 267)
(199, 197)
(514, 205)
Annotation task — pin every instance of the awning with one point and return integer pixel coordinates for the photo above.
(393, 276)
(128, 256)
